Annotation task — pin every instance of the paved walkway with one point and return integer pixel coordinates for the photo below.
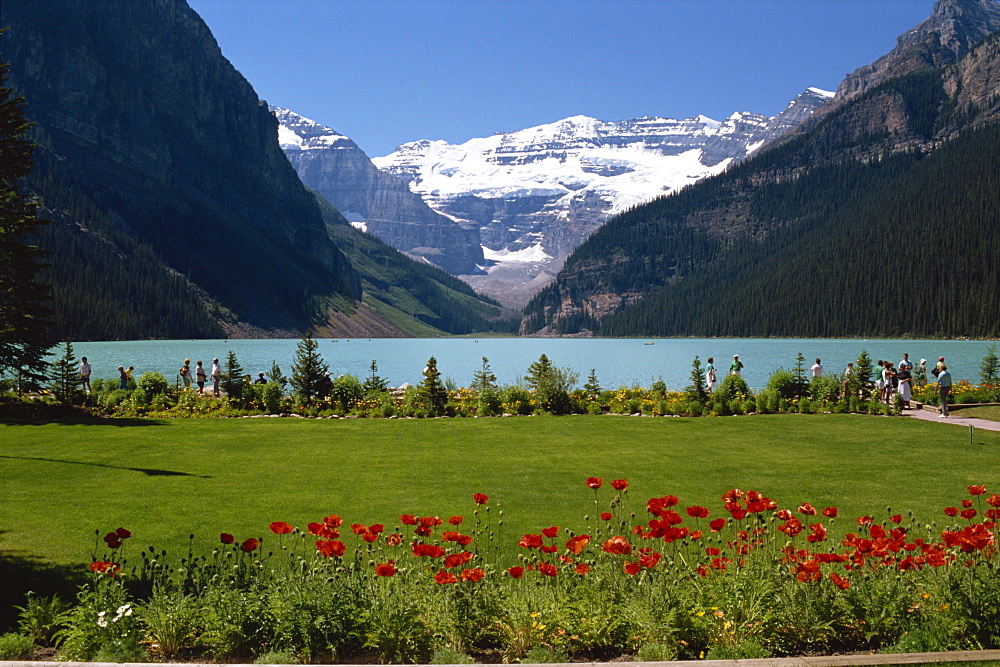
(953, 418)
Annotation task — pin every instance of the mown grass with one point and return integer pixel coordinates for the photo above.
(167, 479)
(990, 412)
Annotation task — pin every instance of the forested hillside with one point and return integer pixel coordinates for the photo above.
(880, 220)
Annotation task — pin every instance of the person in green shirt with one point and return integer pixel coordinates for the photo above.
(710, 374)
(736, 367)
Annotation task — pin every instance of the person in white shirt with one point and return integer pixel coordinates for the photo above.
(85, 374)
(216, 376)
(817, 369)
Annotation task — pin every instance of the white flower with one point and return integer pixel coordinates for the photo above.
(101, 621)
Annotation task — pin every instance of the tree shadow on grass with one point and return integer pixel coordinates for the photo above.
(20, 575)
(152, 472)
(21, 413)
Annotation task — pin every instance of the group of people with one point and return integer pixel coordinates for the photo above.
(200, 376)
(711, 375)
(124, 375)
(890, 379)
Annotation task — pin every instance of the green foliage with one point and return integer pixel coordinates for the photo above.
(861, 382)
(374, 383)
(345, 393)
(989, 370)
(233, 379)
(592, 386)
(489, 402)
(39, 618)
(551, 386)
(24, 298)
(484, 378)
(308, 370)
(66, 377)
(14, 646)
(516, 400)
(732, 388)
(274, 374)
(447, 656)
(153, 384)
(431, 392)
(696, 390)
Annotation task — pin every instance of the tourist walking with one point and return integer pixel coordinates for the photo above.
(848, 376)
(891, 381)
(128, 374)
(906, 363)
(199, 377)
(880, 380)
(817, 369)
(736, 368)
(185, 373)
(85, 374)
(710, 374)
(944, 388)
(937, 367)
(122, 378)
(216, 376)
(920, 375)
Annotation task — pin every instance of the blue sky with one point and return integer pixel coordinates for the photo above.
(385, 72)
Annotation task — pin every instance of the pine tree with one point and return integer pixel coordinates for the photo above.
(696, 390)
(24, 310)
(66, 376)
(431, 390)
(592, 386)
(374, 383)
(861, 381)
(232, 377)
(989, 371)
(308, 370)
(484, 377)
(551, 385)
(275, 375)
(800, 384)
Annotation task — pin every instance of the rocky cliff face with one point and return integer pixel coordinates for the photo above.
(375, 201)
(136, 107)
(953, 27)
(536, 194)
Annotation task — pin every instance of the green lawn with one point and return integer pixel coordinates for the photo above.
(164, 480)
(991, 412)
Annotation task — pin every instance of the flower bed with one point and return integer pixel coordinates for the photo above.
(657, 579)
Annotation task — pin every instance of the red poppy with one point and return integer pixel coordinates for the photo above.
(994, 500)
(112, 540)
(443, 577)
(582, 568)
(595, 482)
(631, 568)
(649, 560)
(431, 550)
(830, 512)
(818, 533)
(123, 533)
(548, 569)
(480, 498)
(280, 528)
(732, 495)
(966, 503)
(394, 540)
(516, 572)
(739, 515)
(473, 574)
(576, 544)
(865, 520)
(106, 567)
(333, 521)
(461, 558)
(968, 514)
(249, 544)
(695, 535)
(359, 528)
(549, 549)
(717, 525)
(322, 530)
(328, 548)
(951, 511)
(552, 531)
(607, 516)
(430, 521)
(227, 538)
(807, 509)
(530, 541)
(783, 515)
(896, 519)
(617, 545)
(455, 520)
(385, 569)
(370, 537)
(713, 551)
(839, 581)
(977, 490)
(697, 512)
(619, 484)
(408, 519)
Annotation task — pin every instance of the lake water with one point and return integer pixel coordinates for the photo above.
(617, 361)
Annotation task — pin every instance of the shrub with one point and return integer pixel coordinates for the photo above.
(488, 402)
(657, 653)
(448, 656)
(825, 388)
(113, 399)
(733, 387)
(153, 384)
(346, 392)
(516, 400)
(16, 647)
(39, 618)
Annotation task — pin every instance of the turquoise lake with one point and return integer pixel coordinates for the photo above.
(617, 362)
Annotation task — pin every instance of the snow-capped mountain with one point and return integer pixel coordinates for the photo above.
(372, 200)
(537, 193)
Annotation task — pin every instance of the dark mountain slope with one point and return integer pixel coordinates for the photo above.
(137, 109)
(815, 179)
